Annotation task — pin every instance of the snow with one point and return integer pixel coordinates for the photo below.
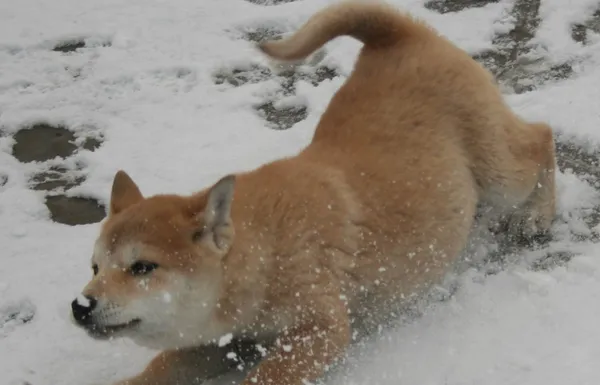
(13, 314)
(225, 339)
(82, 300)
(145, 83)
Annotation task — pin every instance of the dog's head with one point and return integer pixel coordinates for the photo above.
(157, 265)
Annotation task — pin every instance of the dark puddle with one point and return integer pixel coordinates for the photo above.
(74, 210)
(43, 142)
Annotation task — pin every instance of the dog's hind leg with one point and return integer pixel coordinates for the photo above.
(537, 212)
(519, 179)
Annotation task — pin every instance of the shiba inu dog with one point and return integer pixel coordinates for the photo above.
(374, 210)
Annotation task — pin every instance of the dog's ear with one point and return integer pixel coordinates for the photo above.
(124, 193)
(218, 206)
(217, 227)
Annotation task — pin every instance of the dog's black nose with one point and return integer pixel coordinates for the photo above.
(82, 309)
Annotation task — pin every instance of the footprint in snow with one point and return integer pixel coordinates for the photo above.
(15, 314)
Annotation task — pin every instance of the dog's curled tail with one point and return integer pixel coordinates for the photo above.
(375, 24)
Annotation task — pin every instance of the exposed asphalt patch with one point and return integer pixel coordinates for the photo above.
(513, 62)
(72, 45)
(240, 76)
(446, 6)
(580, 31)
(74, 210)
(43, 142)
(281, 118)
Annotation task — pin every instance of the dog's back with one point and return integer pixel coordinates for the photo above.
(391, 130)
(422, 135)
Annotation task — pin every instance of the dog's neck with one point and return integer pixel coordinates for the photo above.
(294, 219)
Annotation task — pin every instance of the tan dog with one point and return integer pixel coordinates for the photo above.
(373, 211)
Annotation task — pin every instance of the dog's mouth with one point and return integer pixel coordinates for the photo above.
(106, 331)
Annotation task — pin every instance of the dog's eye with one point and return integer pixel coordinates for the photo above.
(95, 269)
(142, 268)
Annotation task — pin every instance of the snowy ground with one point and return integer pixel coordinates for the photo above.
(174, 91)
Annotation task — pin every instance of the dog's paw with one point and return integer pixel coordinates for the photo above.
(530, 226)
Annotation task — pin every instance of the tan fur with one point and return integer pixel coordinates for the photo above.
(373, 211)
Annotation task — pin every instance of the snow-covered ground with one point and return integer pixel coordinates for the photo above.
(147, 82)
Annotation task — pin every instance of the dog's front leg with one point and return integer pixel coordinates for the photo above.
(192, 365)
(304, 352)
